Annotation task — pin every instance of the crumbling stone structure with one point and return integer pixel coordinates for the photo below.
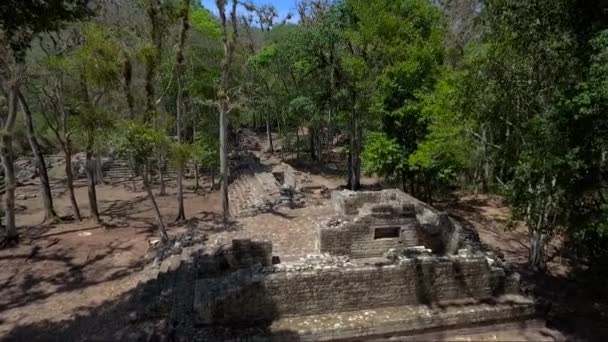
(384, 251)
(370, 223)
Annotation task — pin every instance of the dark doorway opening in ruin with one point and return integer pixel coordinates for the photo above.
(387, 232)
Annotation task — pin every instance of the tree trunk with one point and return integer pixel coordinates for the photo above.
(90, 169)
(159, 219)
(229, 45)
(224, 165)
(134, 173)
(349, 166)
(269, 134)
(212, 180)
(298, 143)
(9, 189)
(98, 172)
(6, 154)
(485, 178)
(70, 182)
(47, 197)
(161, 176)
(357, 156)
(153, 12)
(282, 142)
(128, 76)
(537, 259)
(355, 135)
(196, 180)
(179, 61)
(181, 215)
(311, 136)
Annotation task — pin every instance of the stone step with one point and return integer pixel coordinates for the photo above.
(409, 323)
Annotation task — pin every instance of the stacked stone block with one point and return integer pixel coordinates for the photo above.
(263, 295)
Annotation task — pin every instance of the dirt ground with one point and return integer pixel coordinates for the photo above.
(63, 271)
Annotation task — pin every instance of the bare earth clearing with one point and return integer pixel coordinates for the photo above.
(62, 273)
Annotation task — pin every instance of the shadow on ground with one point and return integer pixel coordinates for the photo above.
(574, 302)
(159, 308)
(71, 277)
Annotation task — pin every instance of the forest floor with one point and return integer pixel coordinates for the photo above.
(63, 271)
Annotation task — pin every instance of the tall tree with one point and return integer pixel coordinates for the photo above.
(229, 40)
(20, 23)
(47, 196)
(138, 142)
(179, 61)
(11, 89)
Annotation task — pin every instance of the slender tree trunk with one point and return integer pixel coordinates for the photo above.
(134, 173)
(359, 148)
(181, 215)
(298, 143)
(349, 166)
(282, 142)
(224, 165)
(485, 178)
(66, 144)
(269, 134)
(47, 197)
(9, 189)
(98, 172)
(92, 191)
(537, 258)
(6, 154)
(311, 135)
(159, 219)
(212, 180)
(229, 45)
(355, 169)
(180, 61)
(196, 180)
(332, 102)
(128, 76)
(153, 12)
(70, 182)
(161, 176)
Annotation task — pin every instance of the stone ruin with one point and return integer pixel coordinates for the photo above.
(388, 265)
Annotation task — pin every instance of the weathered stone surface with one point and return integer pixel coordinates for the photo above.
(364, 220)
(407, 322)
(247, 296)
(383, 249)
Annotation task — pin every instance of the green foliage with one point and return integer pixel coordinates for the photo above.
(446, 150)
(22, 20)
(148, 54)
(182, 153)
(206, 150)
(94, 126)
(383, 156)
(203, 21)
(139, 141)
(98, 57)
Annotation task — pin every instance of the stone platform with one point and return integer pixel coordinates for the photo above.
(406, 322)
(387, 265)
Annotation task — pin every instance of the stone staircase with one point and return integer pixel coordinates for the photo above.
(166, 290)
(252, 191)
(120, 168)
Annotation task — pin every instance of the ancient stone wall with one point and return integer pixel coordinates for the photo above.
(371, 222)
(246, 296)
(372, 234)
